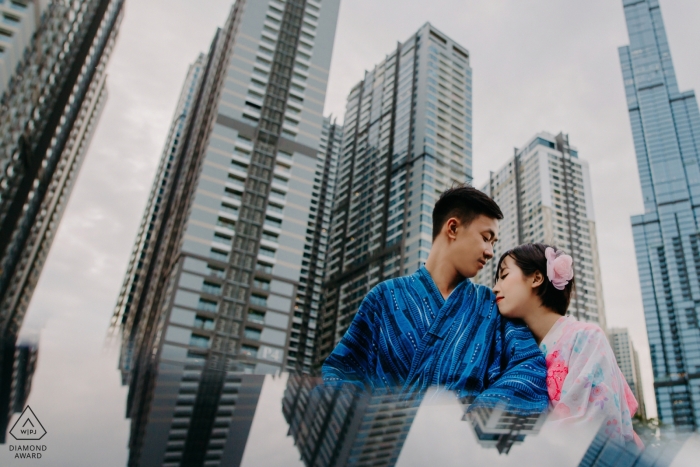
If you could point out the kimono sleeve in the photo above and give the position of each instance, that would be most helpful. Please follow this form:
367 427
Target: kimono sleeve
354 359
590 387
517 374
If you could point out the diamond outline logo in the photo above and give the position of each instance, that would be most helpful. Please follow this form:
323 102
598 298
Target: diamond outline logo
35 424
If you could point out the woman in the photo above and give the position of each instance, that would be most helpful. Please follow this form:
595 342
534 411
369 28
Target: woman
534 282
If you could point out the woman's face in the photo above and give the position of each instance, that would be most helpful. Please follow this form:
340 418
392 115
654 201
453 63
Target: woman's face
515 293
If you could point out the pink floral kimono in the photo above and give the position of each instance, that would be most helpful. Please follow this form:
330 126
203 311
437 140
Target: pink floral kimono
583 379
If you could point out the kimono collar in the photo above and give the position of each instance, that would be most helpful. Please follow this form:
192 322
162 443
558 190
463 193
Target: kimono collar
430 286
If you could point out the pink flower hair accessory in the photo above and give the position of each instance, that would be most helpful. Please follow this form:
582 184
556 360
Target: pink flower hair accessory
560 268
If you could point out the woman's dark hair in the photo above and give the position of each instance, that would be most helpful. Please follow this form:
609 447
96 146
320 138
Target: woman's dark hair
530 258
465 203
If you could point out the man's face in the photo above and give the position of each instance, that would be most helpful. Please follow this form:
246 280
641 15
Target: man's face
471 246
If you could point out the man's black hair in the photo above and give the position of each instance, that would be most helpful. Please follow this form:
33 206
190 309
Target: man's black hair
465 203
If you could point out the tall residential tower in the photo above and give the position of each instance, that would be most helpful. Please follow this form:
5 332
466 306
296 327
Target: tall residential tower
218 286
628 361
54 91
406 138
544 192
666 131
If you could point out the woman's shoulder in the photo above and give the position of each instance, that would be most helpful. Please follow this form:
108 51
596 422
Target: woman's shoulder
582 334
583 327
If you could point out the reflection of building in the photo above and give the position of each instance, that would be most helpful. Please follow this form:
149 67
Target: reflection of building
658 451
497 428
406 138
665 125
333 426
545 194
17 372
214 288
628 361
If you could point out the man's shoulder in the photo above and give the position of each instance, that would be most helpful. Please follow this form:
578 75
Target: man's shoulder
380 291
481 291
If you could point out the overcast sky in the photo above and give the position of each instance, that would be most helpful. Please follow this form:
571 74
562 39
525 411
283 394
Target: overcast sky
537 65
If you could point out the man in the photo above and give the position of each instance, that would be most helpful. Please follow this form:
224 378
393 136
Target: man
437 328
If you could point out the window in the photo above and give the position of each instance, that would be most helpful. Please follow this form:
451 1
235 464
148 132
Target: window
231 193
255 316
270 237
229 208
196 356
221 237
204 323
206 305
277 224
277 194
249 350
274 208
239 165
261 284
227 223
267 252
265 268
252 333
218 254
214 271
199 341
214 289
258 300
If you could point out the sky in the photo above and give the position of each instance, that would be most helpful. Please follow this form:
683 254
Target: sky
539 65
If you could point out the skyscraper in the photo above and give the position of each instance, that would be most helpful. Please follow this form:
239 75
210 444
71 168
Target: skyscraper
665 128
214 288
54 85
137 278
310 291
406 138
628 361
544 192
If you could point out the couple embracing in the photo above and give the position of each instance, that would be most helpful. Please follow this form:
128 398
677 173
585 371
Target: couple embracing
512 345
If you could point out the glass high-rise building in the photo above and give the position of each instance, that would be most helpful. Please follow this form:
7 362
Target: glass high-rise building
544 191
407 136
666 129
223 277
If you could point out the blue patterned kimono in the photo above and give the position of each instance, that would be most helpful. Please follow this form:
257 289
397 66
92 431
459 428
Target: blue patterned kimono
406 338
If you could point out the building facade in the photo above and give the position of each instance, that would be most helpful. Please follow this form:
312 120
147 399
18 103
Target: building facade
220 287
544 192
19 20
628 361
665 127
406 138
